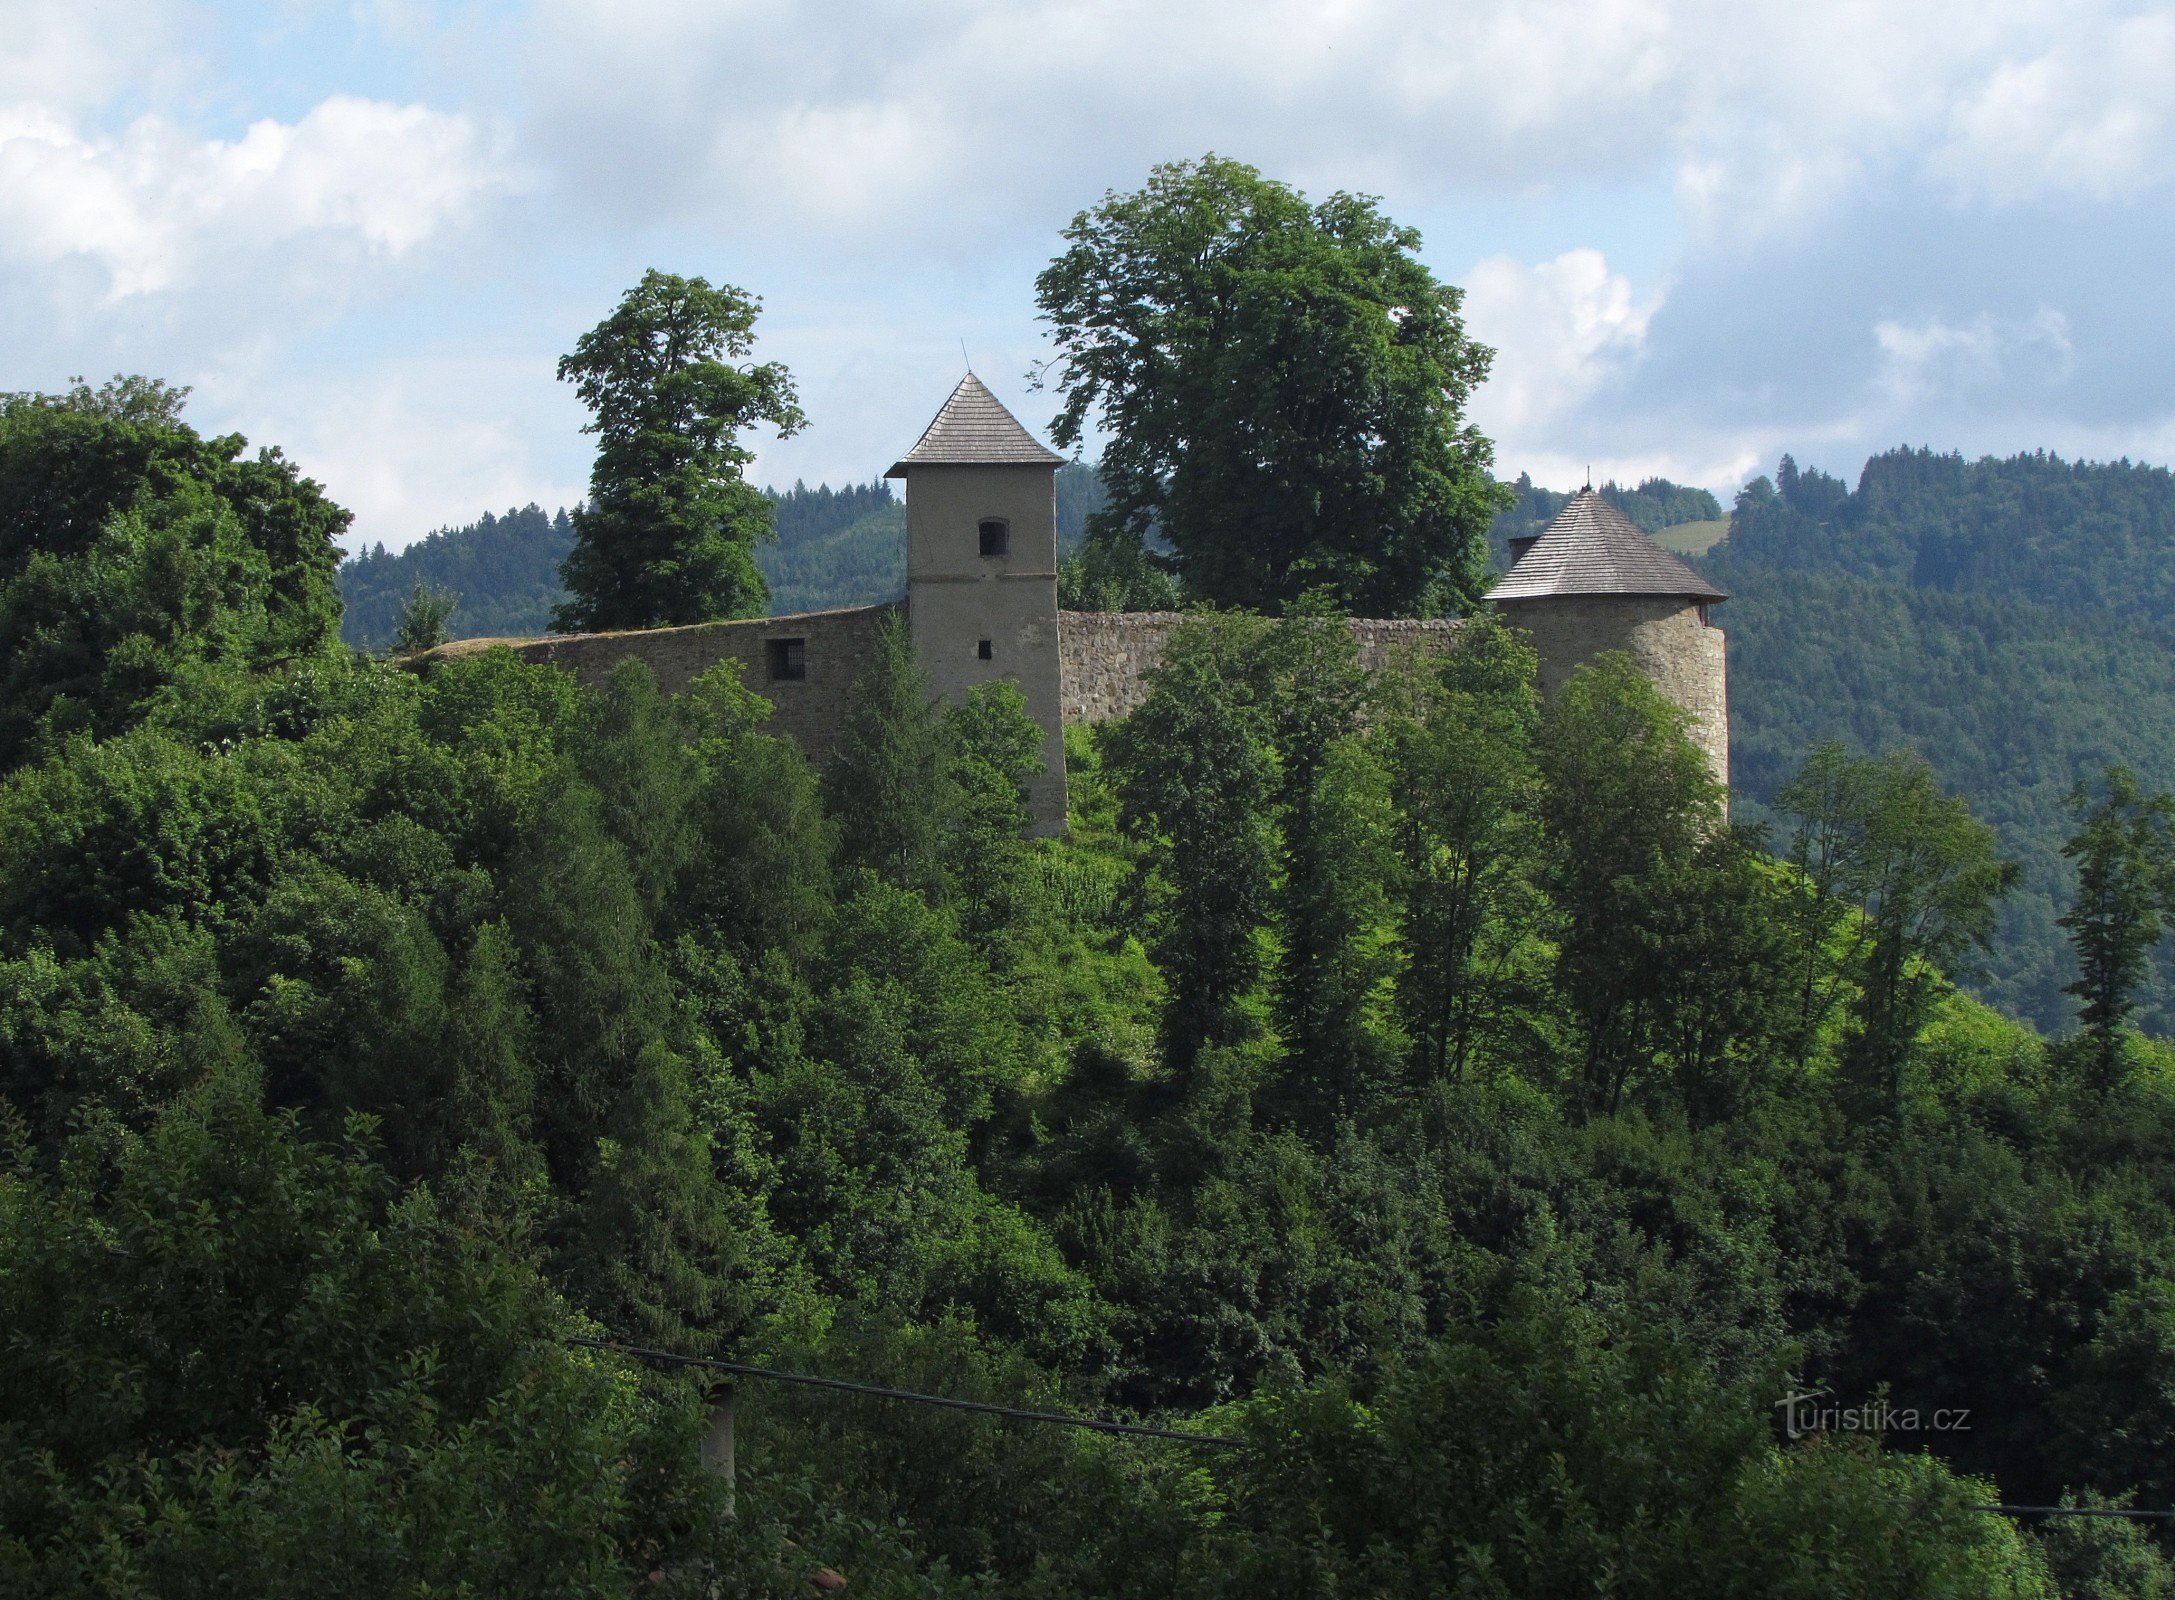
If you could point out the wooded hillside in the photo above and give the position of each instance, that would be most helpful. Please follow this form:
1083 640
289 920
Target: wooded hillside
1409 1081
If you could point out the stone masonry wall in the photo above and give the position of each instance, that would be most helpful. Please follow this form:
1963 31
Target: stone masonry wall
1104 656
1684 657
836 643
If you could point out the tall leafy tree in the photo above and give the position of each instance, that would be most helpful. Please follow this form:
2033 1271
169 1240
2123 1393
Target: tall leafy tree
1194 771
1459 746
1627 798
669 533
1928 875
134 553
1332 816
1284 386
2124 850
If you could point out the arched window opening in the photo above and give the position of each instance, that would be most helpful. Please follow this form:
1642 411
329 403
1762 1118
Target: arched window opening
996 536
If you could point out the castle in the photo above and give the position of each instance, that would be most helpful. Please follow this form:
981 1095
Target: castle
981 604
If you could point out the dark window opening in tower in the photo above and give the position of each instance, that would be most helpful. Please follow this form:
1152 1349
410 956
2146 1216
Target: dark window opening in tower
984 651
788 659
996 536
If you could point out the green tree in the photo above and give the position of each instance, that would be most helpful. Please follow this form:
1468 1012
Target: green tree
888 784
996 750
240 1364
1626 800
2124 852
1540 1457
1332 823
1458 739
426 617
135 556
669 532
1194 775
1926 873
1284 386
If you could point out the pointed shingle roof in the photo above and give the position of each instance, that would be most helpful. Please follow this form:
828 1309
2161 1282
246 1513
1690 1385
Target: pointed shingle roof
1593 548
974 430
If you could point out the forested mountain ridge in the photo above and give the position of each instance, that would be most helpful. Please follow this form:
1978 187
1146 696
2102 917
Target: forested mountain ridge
1418 1084
834 547
2009 619
504 569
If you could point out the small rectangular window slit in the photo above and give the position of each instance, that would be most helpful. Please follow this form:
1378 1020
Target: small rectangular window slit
788 659
984 651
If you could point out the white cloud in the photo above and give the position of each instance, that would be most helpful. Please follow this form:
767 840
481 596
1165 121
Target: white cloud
406 444
1932 358
156 208
1560 330
2089 118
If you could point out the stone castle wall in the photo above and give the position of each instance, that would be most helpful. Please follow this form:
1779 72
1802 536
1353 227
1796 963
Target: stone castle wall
834 646
1104 656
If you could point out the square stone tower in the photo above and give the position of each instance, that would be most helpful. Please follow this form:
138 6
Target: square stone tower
981 567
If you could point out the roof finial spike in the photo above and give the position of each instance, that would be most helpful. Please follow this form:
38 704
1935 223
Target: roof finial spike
969 360
1589 477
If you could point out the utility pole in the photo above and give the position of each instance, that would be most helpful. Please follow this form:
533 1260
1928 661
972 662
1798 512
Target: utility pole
717 1444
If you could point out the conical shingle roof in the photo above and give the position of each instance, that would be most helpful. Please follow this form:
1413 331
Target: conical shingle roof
974 430
1593 548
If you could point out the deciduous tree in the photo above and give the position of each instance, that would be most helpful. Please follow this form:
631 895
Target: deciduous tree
1284 386
669 533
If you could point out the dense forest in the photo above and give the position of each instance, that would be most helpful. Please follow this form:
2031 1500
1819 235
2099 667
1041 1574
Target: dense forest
503 573
2006 618
1418 1086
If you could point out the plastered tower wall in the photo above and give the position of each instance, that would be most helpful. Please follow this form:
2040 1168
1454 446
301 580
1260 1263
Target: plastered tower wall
1685 658
959 600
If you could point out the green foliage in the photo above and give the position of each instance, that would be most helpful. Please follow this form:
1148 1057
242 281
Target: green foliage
1882 834
1420 1084
239 1362
2125 855
889 783
669 532
1192 768
1921 608
1540 1458
134 552
504 571
424 619
1458 738
1283 384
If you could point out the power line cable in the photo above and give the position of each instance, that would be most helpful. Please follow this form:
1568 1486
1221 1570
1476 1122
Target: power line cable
741 1369
2076 1511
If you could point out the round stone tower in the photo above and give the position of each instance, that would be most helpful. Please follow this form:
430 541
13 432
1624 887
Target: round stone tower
1592 581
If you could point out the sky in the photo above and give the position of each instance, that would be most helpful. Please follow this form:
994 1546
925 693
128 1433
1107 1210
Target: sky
1697 233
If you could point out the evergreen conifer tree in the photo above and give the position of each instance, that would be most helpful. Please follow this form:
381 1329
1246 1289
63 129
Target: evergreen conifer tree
888 784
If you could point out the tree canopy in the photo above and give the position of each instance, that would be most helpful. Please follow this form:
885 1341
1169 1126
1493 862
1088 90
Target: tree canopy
669 533
1283 383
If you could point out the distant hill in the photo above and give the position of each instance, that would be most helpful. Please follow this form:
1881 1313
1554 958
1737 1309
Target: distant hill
1694 538
2010 619
505 570
835 547
1655 505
